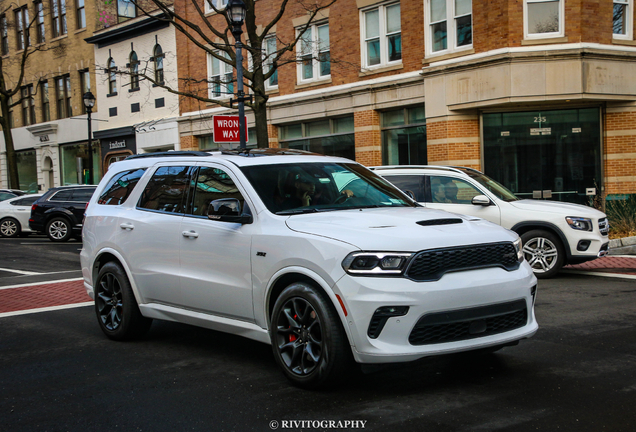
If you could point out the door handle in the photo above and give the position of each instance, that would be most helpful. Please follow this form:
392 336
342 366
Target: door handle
127 226
190 234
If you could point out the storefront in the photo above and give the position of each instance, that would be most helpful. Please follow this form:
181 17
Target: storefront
27 170
74 164
116 144
404 136
551 154
331 137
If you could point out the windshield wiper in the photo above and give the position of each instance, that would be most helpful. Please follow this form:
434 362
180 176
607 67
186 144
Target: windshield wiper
297 211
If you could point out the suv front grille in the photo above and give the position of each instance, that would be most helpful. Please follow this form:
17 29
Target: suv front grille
431 265
603 226
470 323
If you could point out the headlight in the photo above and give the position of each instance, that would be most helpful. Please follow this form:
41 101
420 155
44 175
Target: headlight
519 249
375 263
581 224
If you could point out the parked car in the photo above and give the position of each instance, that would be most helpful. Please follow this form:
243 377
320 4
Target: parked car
16 192
59 213
553 233
7 195
14 215
273 248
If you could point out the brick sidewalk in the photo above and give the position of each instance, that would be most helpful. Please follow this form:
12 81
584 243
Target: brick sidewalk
42 296
608 264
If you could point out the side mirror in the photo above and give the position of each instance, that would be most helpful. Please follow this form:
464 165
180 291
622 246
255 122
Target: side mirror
410 194
229 210
481 200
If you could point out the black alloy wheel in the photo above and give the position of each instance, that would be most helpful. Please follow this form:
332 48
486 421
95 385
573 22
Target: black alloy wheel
117 311
308 340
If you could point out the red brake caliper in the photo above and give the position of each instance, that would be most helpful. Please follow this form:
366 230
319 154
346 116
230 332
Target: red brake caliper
292 337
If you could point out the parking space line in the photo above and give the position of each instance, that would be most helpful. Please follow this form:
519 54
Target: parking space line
40 283
22 272
46 309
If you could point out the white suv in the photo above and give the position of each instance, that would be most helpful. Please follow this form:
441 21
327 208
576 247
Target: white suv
553 233
315 255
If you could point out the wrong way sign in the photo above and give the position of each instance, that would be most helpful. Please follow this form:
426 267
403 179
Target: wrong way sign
226 129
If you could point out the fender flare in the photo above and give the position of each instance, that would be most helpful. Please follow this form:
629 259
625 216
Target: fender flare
124 265
328 289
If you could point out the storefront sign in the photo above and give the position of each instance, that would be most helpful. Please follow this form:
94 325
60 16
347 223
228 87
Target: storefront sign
576 130
505 133
116 144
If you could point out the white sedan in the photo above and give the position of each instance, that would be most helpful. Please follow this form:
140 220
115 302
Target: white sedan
14 215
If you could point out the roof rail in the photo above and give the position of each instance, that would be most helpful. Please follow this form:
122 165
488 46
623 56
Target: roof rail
253 152
168 154
437 167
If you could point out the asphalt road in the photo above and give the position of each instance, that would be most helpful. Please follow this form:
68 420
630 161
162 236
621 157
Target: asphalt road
59 373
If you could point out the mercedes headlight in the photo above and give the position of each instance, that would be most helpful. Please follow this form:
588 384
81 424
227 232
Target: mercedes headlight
581 224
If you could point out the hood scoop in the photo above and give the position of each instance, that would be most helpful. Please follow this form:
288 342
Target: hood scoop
433 222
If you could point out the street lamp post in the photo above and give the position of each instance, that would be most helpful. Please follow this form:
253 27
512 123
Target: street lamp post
236 14
89 103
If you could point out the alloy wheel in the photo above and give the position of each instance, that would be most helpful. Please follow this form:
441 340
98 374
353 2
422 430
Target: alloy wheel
109 302
299 336
8 228
58 229
541 253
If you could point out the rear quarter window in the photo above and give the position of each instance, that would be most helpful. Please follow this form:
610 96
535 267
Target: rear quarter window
120 187
83 195
63 195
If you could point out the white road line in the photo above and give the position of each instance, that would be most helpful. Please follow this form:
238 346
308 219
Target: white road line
46 309
22 272
610 275
40 283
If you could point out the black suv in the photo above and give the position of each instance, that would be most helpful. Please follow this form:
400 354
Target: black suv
59 213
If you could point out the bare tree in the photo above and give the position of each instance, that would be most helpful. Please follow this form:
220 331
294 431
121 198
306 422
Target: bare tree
213 35
12 79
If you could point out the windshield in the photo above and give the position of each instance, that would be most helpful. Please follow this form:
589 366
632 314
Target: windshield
494 187
312 187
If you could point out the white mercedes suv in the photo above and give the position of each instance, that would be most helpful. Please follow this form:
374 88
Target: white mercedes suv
315 255
553 233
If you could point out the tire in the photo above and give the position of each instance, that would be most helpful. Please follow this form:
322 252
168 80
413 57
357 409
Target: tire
59 229
10 228
544 252
308 340
117 311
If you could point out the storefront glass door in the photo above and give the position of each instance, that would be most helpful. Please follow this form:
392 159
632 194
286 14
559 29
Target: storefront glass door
552 155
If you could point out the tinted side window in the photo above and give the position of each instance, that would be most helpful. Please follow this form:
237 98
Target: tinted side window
413 183
82 195
212 184
63 195
452 191
120 187
25 201
167 190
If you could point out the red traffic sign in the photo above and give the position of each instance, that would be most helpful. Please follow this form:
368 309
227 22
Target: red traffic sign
226 129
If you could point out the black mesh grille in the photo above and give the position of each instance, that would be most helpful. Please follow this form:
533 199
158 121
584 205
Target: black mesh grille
469 323
431 265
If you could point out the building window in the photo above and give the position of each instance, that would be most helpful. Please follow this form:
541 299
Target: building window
134 71
622 19
58 16
313 53
218 4
44 91
382 35
125 10
404 136
269 52
112 77
158 57
63 96
220 82
332 137
80 13
28 107
22 27
450 25
39 22
543 18
85 82
5 35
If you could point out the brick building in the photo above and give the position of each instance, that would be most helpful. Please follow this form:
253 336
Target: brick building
51 145
539 94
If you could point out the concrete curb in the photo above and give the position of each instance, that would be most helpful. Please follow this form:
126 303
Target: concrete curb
623 246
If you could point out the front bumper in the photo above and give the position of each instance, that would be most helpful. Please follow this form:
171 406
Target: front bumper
455 293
